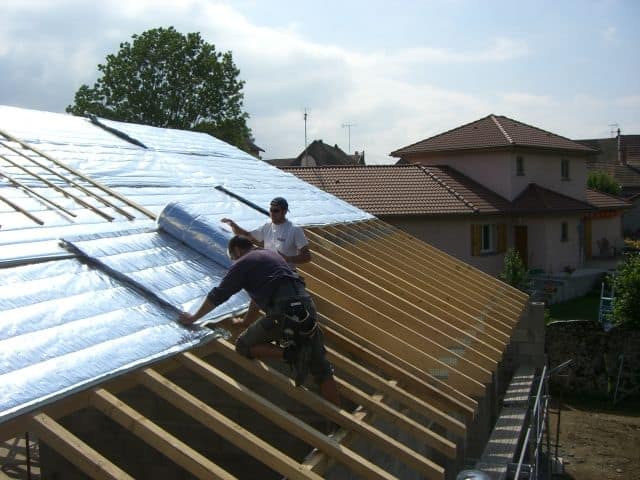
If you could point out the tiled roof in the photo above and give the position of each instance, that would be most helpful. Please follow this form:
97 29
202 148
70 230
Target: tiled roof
607 160
404 189
493 131
537 199
602 200
322 154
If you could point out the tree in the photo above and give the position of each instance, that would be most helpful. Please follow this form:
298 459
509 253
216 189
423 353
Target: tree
514 272
603 182
626 287
167 79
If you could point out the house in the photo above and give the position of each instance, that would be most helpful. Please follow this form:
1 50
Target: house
620 157
319 153
478 189
254 150
95 366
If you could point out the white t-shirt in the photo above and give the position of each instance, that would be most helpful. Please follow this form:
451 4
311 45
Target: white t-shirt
285 238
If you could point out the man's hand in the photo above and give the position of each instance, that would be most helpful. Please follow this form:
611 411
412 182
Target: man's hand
286 258
186 318
229 222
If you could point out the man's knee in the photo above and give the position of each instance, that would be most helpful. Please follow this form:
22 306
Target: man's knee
243 347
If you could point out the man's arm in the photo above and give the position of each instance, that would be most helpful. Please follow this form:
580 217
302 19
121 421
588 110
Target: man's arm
304 256
238 230
189 318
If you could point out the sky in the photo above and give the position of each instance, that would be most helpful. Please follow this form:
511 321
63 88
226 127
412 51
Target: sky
397 71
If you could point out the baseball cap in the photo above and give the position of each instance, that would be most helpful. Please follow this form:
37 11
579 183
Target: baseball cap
280 202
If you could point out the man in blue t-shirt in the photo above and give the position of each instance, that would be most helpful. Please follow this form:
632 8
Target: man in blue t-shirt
290 314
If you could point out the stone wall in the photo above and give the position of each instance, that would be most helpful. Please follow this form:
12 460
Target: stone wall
596 357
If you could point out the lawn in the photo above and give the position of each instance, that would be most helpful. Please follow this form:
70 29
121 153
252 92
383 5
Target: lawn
580 308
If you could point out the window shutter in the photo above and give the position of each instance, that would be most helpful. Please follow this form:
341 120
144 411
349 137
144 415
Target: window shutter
476 234
502 238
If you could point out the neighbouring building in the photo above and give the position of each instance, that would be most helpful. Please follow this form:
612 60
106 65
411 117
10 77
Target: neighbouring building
619 156
481 188
319 153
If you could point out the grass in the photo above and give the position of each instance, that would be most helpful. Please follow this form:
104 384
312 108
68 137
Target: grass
580 308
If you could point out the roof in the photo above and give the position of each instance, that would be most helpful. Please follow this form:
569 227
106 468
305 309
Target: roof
606 201
98 317
623 165
492 132
319 153
537 199
404 189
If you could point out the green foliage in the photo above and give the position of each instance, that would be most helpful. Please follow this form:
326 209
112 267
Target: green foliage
603 182
626 284
167 79
514 272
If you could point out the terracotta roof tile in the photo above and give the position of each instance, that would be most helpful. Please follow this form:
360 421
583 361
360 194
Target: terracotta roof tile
493 131
607 160
537 199
606 201
404 189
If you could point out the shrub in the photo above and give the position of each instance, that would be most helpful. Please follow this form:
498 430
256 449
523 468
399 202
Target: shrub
626 284
603 182
514 272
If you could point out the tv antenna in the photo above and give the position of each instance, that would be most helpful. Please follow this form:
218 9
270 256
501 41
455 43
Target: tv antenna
348 127
305 128
613 127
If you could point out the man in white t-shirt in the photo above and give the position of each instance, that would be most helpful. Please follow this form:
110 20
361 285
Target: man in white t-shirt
279 235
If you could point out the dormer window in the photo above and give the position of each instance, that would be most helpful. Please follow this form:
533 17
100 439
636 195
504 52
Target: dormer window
564 169
519 166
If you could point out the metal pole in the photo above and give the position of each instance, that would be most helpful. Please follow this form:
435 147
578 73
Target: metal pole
28 452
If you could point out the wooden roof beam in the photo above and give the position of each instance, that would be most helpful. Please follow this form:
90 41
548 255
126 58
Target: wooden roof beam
73 449
282 418
170 446
223 426
408 456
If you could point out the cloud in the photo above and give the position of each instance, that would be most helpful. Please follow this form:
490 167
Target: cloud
48 49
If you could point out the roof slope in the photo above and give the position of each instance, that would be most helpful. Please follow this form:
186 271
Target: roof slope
490 132
603 200
535 198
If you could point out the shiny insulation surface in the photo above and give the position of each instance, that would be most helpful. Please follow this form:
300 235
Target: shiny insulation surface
69 324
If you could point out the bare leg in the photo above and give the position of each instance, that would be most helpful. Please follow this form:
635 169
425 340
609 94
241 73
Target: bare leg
329 391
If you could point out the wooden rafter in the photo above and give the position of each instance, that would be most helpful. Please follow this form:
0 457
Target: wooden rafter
281 418
223 426
73 449
408 456
170 446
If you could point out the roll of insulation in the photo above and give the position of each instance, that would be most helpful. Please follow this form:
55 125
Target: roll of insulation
195 230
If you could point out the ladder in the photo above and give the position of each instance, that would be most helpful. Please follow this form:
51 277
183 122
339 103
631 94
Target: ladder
605 309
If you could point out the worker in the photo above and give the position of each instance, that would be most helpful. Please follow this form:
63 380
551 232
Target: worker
290 314
279 234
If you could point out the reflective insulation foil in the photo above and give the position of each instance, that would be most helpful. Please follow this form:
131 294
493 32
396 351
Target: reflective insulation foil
66 326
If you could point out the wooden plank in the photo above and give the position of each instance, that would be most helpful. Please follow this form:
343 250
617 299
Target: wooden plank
457 321
73 449
223 426
408 456
444 300
376 407
416 380
283 419
389 334
441 271
473 272
170 446
455 293
391 390
473 362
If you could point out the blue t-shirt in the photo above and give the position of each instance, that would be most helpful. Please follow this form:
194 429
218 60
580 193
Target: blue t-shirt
259 272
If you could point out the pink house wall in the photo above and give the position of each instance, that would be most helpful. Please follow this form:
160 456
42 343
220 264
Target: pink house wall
609 228
497 171
546 251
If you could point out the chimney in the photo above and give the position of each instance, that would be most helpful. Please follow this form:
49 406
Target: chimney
622 152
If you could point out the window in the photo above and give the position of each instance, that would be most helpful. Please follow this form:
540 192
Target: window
488 239
564 232
519 166
564 169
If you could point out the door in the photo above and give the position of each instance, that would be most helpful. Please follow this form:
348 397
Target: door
587 237
520 235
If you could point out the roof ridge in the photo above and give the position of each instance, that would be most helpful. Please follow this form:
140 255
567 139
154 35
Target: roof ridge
451 190
441 134
504 132
547 132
